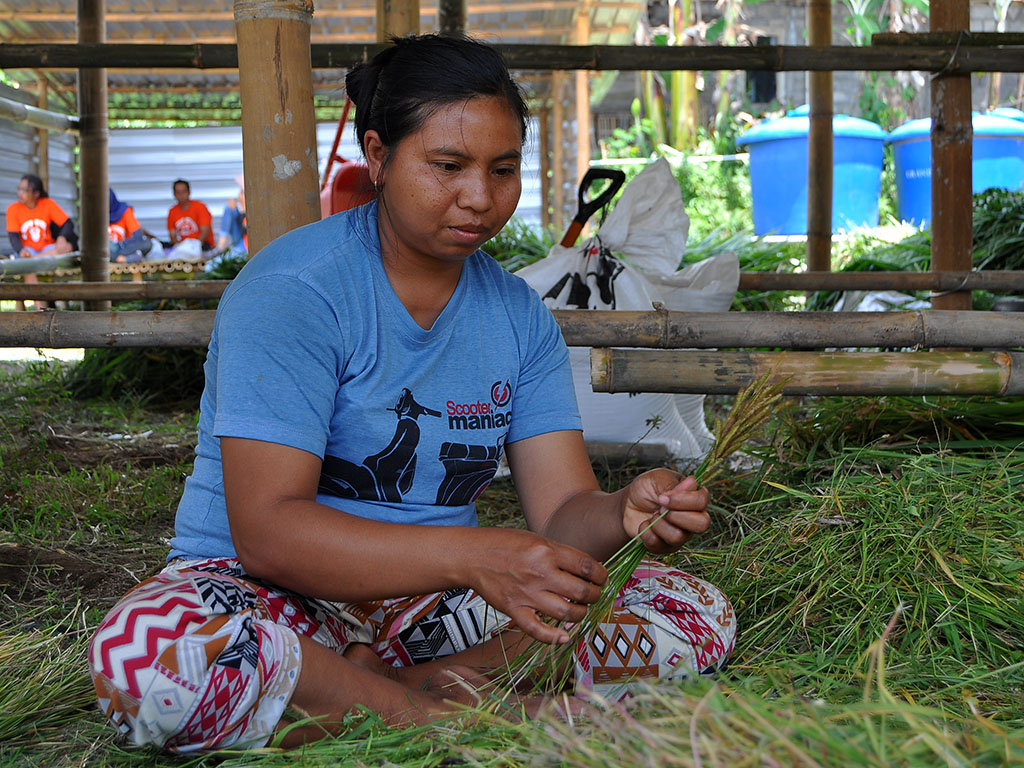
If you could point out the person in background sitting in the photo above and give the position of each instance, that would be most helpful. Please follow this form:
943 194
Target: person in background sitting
128 241
188 220
233 238
37 225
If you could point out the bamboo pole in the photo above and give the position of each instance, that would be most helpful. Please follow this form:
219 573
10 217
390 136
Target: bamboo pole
772 58
121 291
952 137
42 134
991 280
94 203
397 18
810 373
660 330
38 264
582 37
544 117
17 112
819 145
791 330
451 17
278 126
758 281
557 150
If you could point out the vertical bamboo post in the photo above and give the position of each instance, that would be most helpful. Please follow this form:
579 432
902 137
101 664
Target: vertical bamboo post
451 17
952 134
557 149
43 135
396 18
819 145
582 36
94 210
278 126
544 119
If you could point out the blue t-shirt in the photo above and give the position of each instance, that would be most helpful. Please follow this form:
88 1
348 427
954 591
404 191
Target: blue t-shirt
313 349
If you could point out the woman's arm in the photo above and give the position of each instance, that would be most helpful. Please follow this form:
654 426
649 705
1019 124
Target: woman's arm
562 500
282 534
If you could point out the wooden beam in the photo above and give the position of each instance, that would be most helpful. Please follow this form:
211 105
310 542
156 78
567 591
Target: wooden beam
819 145
952 38
952 136
43 135
451 17
121 291
780 58
810 373
94 137
278 123
581 36
989 280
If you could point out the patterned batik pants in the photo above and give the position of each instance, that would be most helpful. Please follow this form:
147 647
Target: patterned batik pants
202 656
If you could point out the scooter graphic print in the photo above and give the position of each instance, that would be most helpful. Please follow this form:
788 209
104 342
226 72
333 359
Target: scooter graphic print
388 474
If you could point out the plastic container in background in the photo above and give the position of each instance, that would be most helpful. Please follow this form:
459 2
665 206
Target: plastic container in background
778 172
1010 112
998 161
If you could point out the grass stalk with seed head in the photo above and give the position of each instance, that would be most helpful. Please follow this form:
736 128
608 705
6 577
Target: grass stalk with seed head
551 668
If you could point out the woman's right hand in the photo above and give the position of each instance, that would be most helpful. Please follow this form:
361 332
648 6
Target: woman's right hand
525 575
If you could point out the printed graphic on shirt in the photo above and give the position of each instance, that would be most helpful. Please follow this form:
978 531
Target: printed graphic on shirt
186 226
482 415
468 470
34 231
383 476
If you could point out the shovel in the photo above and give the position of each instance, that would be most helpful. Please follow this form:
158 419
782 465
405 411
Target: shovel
588 208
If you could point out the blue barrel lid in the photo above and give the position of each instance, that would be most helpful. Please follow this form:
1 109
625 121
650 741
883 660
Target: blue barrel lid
797 124
1010 112
984 125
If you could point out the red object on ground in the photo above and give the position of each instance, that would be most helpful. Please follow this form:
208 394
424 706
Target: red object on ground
350 186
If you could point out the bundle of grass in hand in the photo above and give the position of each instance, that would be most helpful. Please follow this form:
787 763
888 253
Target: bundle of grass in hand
550 669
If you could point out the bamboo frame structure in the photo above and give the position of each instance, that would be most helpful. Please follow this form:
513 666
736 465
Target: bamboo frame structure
655 330
993 280
967 56
94 140
17 112
819 144
810 373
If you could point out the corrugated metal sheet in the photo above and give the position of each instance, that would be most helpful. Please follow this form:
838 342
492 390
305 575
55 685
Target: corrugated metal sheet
18 156
145 162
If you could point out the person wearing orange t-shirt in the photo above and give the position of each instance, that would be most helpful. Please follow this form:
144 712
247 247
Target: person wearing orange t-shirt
36 224
188 220
128 241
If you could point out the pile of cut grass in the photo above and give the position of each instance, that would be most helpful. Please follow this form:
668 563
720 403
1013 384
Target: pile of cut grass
873 555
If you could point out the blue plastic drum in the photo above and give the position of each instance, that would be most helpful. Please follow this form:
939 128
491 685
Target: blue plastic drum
997 161
778 172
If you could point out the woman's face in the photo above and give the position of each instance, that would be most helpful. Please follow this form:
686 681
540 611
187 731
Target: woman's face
26 195
452 185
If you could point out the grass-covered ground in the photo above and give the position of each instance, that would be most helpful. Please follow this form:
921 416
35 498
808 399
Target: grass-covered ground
874 554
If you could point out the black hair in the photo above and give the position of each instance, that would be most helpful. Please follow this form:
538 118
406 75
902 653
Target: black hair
181 181
35 184
400 87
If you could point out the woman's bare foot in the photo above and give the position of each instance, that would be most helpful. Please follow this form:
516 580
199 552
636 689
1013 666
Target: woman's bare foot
452 682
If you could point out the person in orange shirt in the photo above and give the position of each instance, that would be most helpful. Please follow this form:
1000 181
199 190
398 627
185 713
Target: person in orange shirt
128 241
188 220
36 224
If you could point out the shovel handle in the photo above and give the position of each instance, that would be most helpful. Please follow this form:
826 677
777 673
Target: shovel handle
588 208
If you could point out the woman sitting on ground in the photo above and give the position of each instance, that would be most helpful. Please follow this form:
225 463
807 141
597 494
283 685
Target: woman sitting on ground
364 377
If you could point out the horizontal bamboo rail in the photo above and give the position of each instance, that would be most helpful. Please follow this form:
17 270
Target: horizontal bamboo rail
659 330
37 264
791 330
121 291
810 373
780 58
995 280
39 118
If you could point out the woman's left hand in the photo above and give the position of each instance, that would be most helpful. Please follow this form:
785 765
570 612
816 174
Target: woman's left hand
647 497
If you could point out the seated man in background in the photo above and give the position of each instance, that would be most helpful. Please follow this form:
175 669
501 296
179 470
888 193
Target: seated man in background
128 241
189 224
233 238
